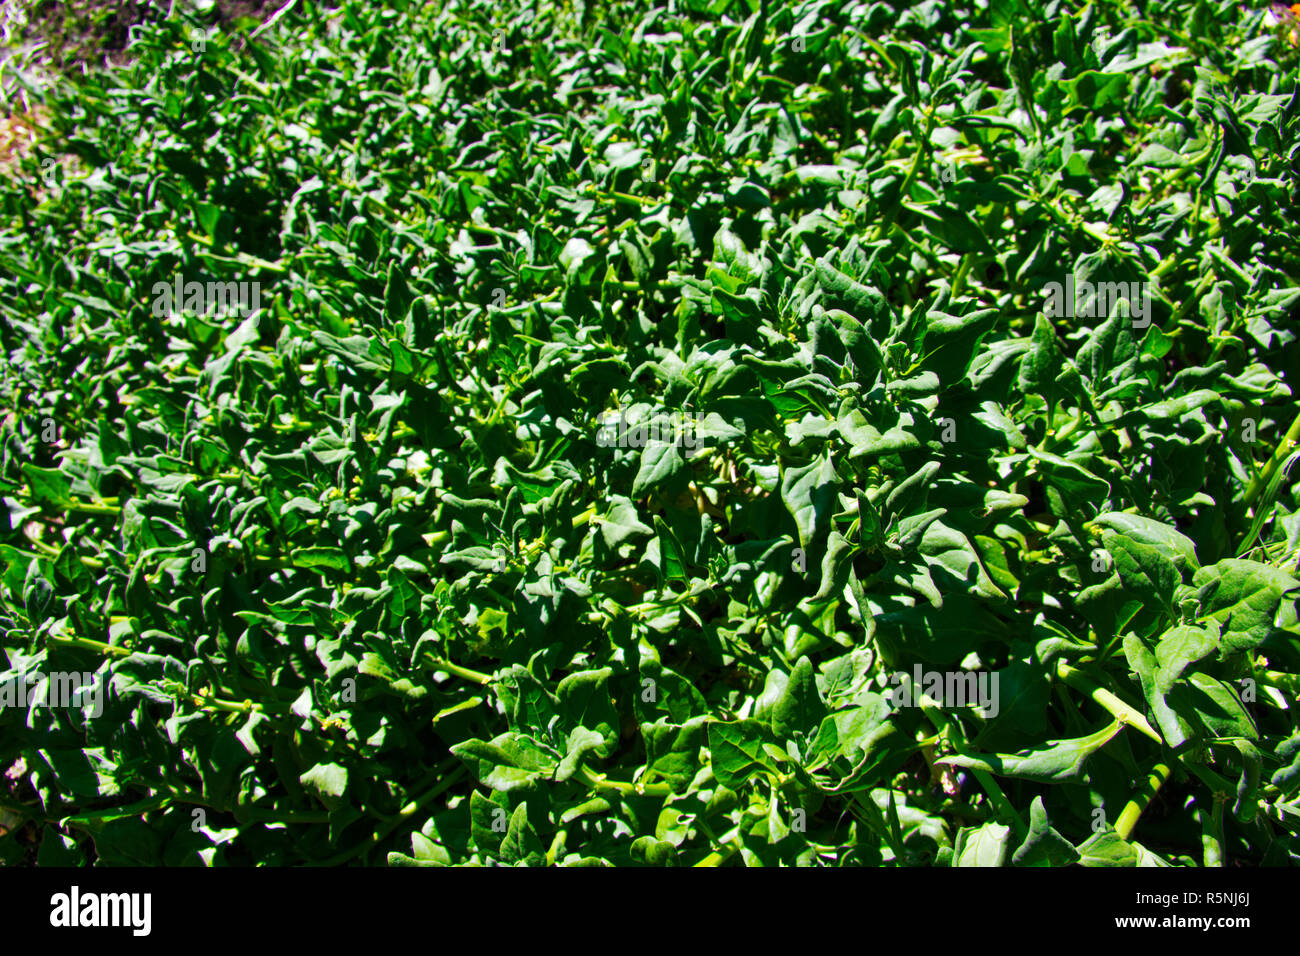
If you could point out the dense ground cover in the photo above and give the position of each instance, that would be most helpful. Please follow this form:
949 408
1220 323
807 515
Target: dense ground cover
363 572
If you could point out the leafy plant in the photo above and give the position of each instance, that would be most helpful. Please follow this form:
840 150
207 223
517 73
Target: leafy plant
642 405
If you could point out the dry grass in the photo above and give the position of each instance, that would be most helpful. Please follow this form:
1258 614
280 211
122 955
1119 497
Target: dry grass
18 134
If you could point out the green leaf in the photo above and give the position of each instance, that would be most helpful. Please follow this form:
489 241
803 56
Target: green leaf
1159 672
1073 491
1094 91
1248 601
940 636
660 464
673 751
321 557
509 762
737 753
585 702
984 846
49 485
1058 761
1151 574
1173 544
622 523
1039 367
1108 848
1216 705
328 782
521 844
809 495
1043 846
87 772
799 709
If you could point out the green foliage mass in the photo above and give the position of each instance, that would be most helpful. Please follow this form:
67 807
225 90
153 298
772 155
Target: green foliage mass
363 580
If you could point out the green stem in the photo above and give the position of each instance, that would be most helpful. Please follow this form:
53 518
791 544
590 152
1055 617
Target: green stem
208 703
726 849
231 706
1208 777
962 268
922 148
599 781
47 552
253 814
1283 450
405 814
1212 834
139 808
1054 439
1167 265
627 285
628 200
876 821
717 859
1289 683
243 258
1128 818
1006 810
1200 290
260 87
90 509
87 644
1116 707
478 677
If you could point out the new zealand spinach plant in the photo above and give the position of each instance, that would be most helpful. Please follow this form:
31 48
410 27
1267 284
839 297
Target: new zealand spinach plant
690 433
